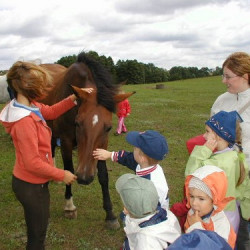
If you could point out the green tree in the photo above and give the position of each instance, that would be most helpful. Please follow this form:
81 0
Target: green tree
218 71
155 74
121 71
66 61
137 72
175 73
203 72
130 70
107 62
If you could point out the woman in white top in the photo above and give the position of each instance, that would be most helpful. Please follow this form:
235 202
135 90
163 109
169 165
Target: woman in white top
236 77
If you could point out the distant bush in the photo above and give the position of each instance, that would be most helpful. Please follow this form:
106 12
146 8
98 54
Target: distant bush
137 72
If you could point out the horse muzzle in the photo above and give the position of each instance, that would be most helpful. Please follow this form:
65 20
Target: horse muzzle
84 180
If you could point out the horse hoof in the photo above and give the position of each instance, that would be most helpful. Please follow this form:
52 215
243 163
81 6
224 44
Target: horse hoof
70 214
112 224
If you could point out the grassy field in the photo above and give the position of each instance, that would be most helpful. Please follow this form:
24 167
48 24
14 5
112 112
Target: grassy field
178 111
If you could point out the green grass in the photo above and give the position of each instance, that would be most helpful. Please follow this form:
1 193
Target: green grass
178 111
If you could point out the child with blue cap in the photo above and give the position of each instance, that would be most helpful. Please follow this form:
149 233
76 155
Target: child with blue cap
150 147
223 149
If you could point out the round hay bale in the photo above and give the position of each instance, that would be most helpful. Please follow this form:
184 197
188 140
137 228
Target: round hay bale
160 86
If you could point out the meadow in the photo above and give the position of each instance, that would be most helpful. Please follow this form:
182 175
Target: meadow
178 112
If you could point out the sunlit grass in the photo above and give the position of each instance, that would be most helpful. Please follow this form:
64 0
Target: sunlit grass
178 112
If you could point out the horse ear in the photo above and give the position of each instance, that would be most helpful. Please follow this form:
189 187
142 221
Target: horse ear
79 92
120 97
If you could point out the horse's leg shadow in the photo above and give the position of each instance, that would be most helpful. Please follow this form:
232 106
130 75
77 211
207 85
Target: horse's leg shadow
111 220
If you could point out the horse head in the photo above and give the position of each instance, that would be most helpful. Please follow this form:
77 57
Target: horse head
93 123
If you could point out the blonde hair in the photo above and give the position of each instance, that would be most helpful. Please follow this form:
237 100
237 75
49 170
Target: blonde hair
238 142
29 79
239 63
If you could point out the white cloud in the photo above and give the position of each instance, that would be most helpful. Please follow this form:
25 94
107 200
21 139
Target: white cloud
162 7
166 33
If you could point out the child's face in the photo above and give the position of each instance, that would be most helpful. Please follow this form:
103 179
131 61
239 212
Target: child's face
200 201
209 134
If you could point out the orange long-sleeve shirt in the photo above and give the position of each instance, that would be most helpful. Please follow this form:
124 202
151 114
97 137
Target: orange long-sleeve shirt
32 140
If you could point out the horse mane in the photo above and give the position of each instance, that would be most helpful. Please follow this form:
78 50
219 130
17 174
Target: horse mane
106 89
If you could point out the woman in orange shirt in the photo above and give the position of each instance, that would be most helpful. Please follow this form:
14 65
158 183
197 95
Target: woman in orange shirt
24 119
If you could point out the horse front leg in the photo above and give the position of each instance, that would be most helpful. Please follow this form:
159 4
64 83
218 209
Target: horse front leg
53 149
111 220
66 151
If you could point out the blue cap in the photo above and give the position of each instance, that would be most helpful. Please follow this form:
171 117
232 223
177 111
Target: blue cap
200 239
224 125
150 142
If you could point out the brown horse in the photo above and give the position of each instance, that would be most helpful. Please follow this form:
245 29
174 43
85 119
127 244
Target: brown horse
87 125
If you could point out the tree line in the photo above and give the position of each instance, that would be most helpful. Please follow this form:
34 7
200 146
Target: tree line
137 72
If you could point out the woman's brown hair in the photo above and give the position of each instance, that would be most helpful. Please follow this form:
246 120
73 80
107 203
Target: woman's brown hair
29 79
239 63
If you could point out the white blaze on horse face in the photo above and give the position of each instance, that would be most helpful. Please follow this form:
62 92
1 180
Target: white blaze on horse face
95 120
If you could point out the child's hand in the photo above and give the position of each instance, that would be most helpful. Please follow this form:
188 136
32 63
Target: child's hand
102 154
193 218
211 144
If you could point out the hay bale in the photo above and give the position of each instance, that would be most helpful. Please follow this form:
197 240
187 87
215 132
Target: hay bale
160 86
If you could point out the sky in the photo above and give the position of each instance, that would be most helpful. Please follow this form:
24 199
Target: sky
167 33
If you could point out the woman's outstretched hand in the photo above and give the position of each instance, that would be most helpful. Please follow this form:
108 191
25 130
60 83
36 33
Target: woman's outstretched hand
69 178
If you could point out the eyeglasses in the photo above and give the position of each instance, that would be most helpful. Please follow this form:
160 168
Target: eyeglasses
228 77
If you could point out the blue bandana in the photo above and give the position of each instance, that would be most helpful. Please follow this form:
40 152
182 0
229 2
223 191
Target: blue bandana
160 216
32 109
224 125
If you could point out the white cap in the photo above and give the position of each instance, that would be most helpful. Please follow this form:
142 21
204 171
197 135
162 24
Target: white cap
199 184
